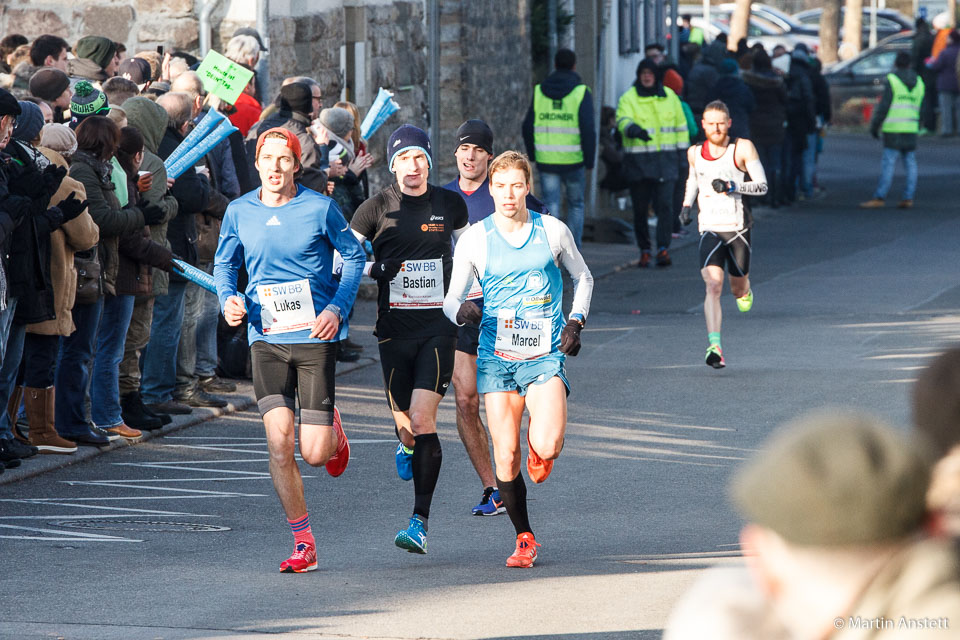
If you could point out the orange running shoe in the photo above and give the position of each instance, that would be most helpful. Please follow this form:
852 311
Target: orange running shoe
304 559
337 463
537 468
526 552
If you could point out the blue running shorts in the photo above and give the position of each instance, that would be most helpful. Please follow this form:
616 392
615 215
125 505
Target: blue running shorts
496 374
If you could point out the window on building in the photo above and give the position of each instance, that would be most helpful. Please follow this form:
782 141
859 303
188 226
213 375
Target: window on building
630 13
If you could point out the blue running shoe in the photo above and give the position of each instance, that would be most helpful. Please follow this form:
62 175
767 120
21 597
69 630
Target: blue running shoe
404 462
413 538
491 504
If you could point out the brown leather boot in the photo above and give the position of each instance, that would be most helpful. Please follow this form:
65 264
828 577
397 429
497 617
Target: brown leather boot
40 411
13 408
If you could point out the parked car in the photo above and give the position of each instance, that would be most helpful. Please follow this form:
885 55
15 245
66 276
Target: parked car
857 84
776 18
889 22
760 30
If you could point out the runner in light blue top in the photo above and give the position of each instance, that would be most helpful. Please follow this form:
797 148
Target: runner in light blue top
515 255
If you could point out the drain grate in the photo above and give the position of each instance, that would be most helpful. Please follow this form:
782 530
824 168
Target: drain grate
152 526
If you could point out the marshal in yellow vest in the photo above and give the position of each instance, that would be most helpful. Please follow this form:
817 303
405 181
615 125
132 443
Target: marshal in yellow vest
904 113
556 127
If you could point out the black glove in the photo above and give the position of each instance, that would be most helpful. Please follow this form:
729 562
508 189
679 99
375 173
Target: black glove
385 269
469 313
720 186
152 214
71 207
636 131
570 338
30 184
685 216
53 175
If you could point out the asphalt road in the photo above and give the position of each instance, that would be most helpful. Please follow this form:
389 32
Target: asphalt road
181 536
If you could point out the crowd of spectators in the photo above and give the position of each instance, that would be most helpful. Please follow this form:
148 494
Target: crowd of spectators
100 336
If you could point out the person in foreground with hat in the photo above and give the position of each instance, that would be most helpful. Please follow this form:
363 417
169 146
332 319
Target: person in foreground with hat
839 537
411 225
96 60
339 124
297 313
474 153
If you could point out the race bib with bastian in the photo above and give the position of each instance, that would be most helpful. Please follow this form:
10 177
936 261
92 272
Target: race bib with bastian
522 338
286 307
418 285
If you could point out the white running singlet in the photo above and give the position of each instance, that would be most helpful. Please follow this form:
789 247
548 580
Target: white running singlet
718 211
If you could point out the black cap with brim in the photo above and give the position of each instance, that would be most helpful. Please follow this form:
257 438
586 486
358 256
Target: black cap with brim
8 104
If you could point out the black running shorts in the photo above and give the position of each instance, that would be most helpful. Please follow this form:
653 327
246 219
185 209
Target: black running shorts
730 249
416 363
468 339
281 372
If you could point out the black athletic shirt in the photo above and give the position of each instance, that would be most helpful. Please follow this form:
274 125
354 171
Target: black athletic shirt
403 227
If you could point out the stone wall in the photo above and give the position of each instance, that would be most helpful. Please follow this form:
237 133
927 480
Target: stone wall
138 24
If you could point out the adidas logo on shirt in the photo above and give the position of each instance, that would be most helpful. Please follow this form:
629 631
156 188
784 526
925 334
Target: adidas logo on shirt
273 222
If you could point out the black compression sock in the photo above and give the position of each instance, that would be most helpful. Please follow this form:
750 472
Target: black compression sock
514 496
427 458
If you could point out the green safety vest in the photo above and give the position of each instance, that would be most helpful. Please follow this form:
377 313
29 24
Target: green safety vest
904 113
663 119
556 127
696 35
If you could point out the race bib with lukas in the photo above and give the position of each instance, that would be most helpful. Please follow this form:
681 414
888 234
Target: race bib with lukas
418 285
286 307
522 338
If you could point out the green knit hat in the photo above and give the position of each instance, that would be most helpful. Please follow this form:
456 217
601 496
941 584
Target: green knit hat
87 101
97 48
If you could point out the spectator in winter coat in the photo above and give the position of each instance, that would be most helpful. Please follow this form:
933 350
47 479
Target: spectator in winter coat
920 50
768 119
801 122
703 76
95 62
948 91
730 89
192 191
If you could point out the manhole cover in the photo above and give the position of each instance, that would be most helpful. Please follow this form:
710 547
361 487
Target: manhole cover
140 525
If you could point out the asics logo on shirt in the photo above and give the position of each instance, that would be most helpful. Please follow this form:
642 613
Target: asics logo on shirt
273 222
432 218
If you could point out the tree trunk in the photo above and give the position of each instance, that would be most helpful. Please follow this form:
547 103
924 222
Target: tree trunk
852 29
739 22
829 31
952 13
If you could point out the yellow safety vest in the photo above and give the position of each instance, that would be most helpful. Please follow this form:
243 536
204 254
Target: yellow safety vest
696 35
556 127
663 119
904 113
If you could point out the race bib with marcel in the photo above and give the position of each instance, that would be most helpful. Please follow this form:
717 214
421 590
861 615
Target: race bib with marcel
522 338
418 285
286 307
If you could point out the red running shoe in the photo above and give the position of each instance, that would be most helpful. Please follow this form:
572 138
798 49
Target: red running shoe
526 552
537 468
304 559
337 463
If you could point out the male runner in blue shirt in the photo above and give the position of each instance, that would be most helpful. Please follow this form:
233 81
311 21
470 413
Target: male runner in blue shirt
285 235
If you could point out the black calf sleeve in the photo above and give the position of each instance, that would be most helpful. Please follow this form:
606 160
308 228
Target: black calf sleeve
427 458
514 496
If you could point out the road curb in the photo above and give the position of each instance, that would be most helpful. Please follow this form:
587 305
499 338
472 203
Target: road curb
41 463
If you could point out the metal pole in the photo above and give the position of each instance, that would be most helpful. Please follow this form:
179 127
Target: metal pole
873 24
660 21
598 90
675 31
552 30
706 14
433 88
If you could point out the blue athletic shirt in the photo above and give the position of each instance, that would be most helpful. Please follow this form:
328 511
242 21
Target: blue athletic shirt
480 202
285 244
523 282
